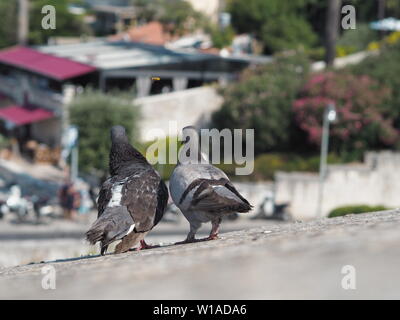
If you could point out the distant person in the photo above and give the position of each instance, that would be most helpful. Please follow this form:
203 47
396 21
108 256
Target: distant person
76 201
68 200
93 196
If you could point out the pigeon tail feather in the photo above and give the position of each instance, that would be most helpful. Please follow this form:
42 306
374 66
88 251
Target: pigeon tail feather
95 235
113 224
219 199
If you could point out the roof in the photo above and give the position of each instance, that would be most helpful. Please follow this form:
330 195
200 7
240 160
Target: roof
107 55
45 64
151 33
20 115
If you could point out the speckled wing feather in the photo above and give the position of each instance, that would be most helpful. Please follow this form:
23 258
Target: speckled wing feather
140 195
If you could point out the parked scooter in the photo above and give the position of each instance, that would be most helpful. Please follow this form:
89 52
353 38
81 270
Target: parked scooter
17 204
24 206
268 209
41 206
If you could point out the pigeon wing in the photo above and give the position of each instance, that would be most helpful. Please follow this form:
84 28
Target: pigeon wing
218 196
162 201
105 196
140 196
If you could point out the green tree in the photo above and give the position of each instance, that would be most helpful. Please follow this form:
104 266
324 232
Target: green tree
94 113
358 39
262 100
221 37
278 24
8 18
385 69
287 32
67 24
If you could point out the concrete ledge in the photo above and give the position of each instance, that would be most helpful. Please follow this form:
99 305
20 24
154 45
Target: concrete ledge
295 260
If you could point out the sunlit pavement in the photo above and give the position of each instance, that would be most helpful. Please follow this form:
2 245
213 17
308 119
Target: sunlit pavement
308 260
59 239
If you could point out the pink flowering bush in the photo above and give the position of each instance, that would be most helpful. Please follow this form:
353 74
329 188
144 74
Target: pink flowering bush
364 119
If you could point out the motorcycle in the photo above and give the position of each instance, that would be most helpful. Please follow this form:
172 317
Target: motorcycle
24 206
268 209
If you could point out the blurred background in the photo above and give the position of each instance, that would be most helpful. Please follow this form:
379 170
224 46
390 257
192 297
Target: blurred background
319 81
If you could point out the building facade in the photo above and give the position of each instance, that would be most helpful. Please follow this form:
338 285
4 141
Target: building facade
38 87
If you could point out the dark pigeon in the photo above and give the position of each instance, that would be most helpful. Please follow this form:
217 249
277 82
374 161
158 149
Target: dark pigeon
131 201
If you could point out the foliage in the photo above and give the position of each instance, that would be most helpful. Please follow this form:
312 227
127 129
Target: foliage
356 40
367 10
267 164
316 54
221 37
8 31
388 41
355 209
165 170
288 24
4 142
385 69
279 24
95 113
364 119
67 24
287 32
262 100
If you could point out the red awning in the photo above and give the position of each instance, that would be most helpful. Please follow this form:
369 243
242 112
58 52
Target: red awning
48 65
20 115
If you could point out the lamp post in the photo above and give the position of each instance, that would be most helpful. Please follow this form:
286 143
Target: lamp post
329 116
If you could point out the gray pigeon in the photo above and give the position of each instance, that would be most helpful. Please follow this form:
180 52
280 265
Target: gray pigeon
131 201
203 192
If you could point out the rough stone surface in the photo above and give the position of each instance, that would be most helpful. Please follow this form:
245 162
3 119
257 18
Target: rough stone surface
294 260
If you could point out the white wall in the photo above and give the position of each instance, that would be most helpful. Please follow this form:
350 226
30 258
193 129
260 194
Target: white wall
375 182
254 192
186 107
208 7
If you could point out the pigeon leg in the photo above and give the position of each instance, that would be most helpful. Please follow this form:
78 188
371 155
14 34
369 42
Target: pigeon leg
214 230
191 235
127 242
103 249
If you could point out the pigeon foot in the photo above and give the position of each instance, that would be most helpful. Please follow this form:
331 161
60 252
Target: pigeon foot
212 237
144 246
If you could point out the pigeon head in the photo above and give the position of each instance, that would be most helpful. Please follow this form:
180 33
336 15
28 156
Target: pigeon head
190 152
118 134
122 153
190 132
